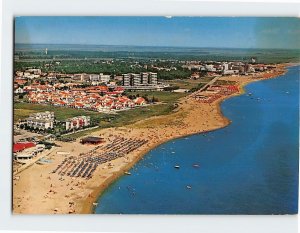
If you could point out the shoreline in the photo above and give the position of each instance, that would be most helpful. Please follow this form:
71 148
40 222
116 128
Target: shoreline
89 208
86 193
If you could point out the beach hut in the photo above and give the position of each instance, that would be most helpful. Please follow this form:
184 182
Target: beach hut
92 140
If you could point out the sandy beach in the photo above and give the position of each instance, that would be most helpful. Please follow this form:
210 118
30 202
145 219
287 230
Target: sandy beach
37 190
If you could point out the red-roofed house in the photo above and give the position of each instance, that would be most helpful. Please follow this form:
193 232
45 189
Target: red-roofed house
140 101
20 146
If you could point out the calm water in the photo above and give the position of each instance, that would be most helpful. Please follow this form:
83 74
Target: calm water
249 167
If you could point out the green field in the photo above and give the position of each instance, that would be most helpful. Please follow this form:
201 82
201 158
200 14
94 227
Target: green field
189 83
162 96
23 110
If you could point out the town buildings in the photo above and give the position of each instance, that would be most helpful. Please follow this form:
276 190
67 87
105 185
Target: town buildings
144 79
77 122
41 120
27 150
95 98
222 68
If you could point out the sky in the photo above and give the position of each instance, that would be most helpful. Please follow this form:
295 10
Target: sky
219 32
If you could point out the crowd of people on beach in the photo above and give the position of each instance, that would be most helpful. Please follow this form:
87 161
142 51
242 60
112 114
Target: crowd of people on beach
86 163
214 93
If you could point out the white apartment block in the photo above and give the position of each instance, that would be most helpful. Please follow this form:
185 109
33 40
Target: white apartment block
104 78
77 122
148 78
41 120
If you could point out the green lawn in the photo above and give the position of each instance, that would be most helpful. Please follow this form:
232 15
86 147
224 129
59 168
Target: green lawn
23 110
189 83
162 96
184 83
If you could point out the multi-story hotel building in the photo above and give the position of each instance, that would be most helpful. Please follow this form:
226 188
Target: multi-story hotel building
77 122
145 79
41 120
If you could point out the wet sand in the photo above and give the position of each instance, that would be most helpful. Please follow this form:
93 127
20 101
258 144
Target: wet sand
39 191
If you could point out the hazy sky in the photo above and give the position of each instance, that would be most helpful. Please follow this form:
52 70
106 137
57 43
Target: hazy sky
232 32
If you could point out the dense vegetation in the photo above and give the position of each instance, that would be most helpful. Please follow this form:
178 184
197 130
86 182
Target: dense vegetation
61 52
111 61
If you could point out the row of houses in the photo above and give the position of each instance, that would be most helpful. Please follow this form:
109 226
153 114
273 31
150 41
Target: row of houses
37 87
80 99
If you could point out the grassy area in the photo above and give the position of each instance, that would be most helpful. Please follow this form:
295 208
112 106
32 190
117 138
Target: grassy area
224 82
184 83
206 79
23 110
189 83
22 113
162 96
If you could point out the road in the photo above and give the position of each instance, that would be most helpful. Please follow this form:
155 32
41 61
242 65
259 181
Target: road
208 84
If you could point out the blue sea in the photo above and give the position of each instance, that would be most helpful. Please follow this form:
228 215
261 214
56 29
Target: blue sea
249 167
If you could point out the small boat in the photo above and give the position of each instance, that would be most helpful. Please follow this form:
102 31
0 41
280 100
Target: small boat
127 173
173 152
95 203
196 165
188 187
177 166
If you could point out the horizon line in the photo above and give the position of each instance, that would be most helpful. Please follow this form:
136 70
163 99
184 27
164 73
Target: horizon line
165 46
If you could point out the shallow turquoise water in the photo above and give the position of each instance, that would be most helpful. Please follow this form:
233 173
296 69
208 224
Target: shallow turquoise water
249 167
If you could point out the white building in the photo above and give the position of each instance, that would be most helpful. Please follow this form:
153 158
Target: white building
35 71
19 73
94 78
19 90
153 78
210 68
225 66
30 152
136 78
126 79
81 77
77 122
104 78
145 79
41 120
